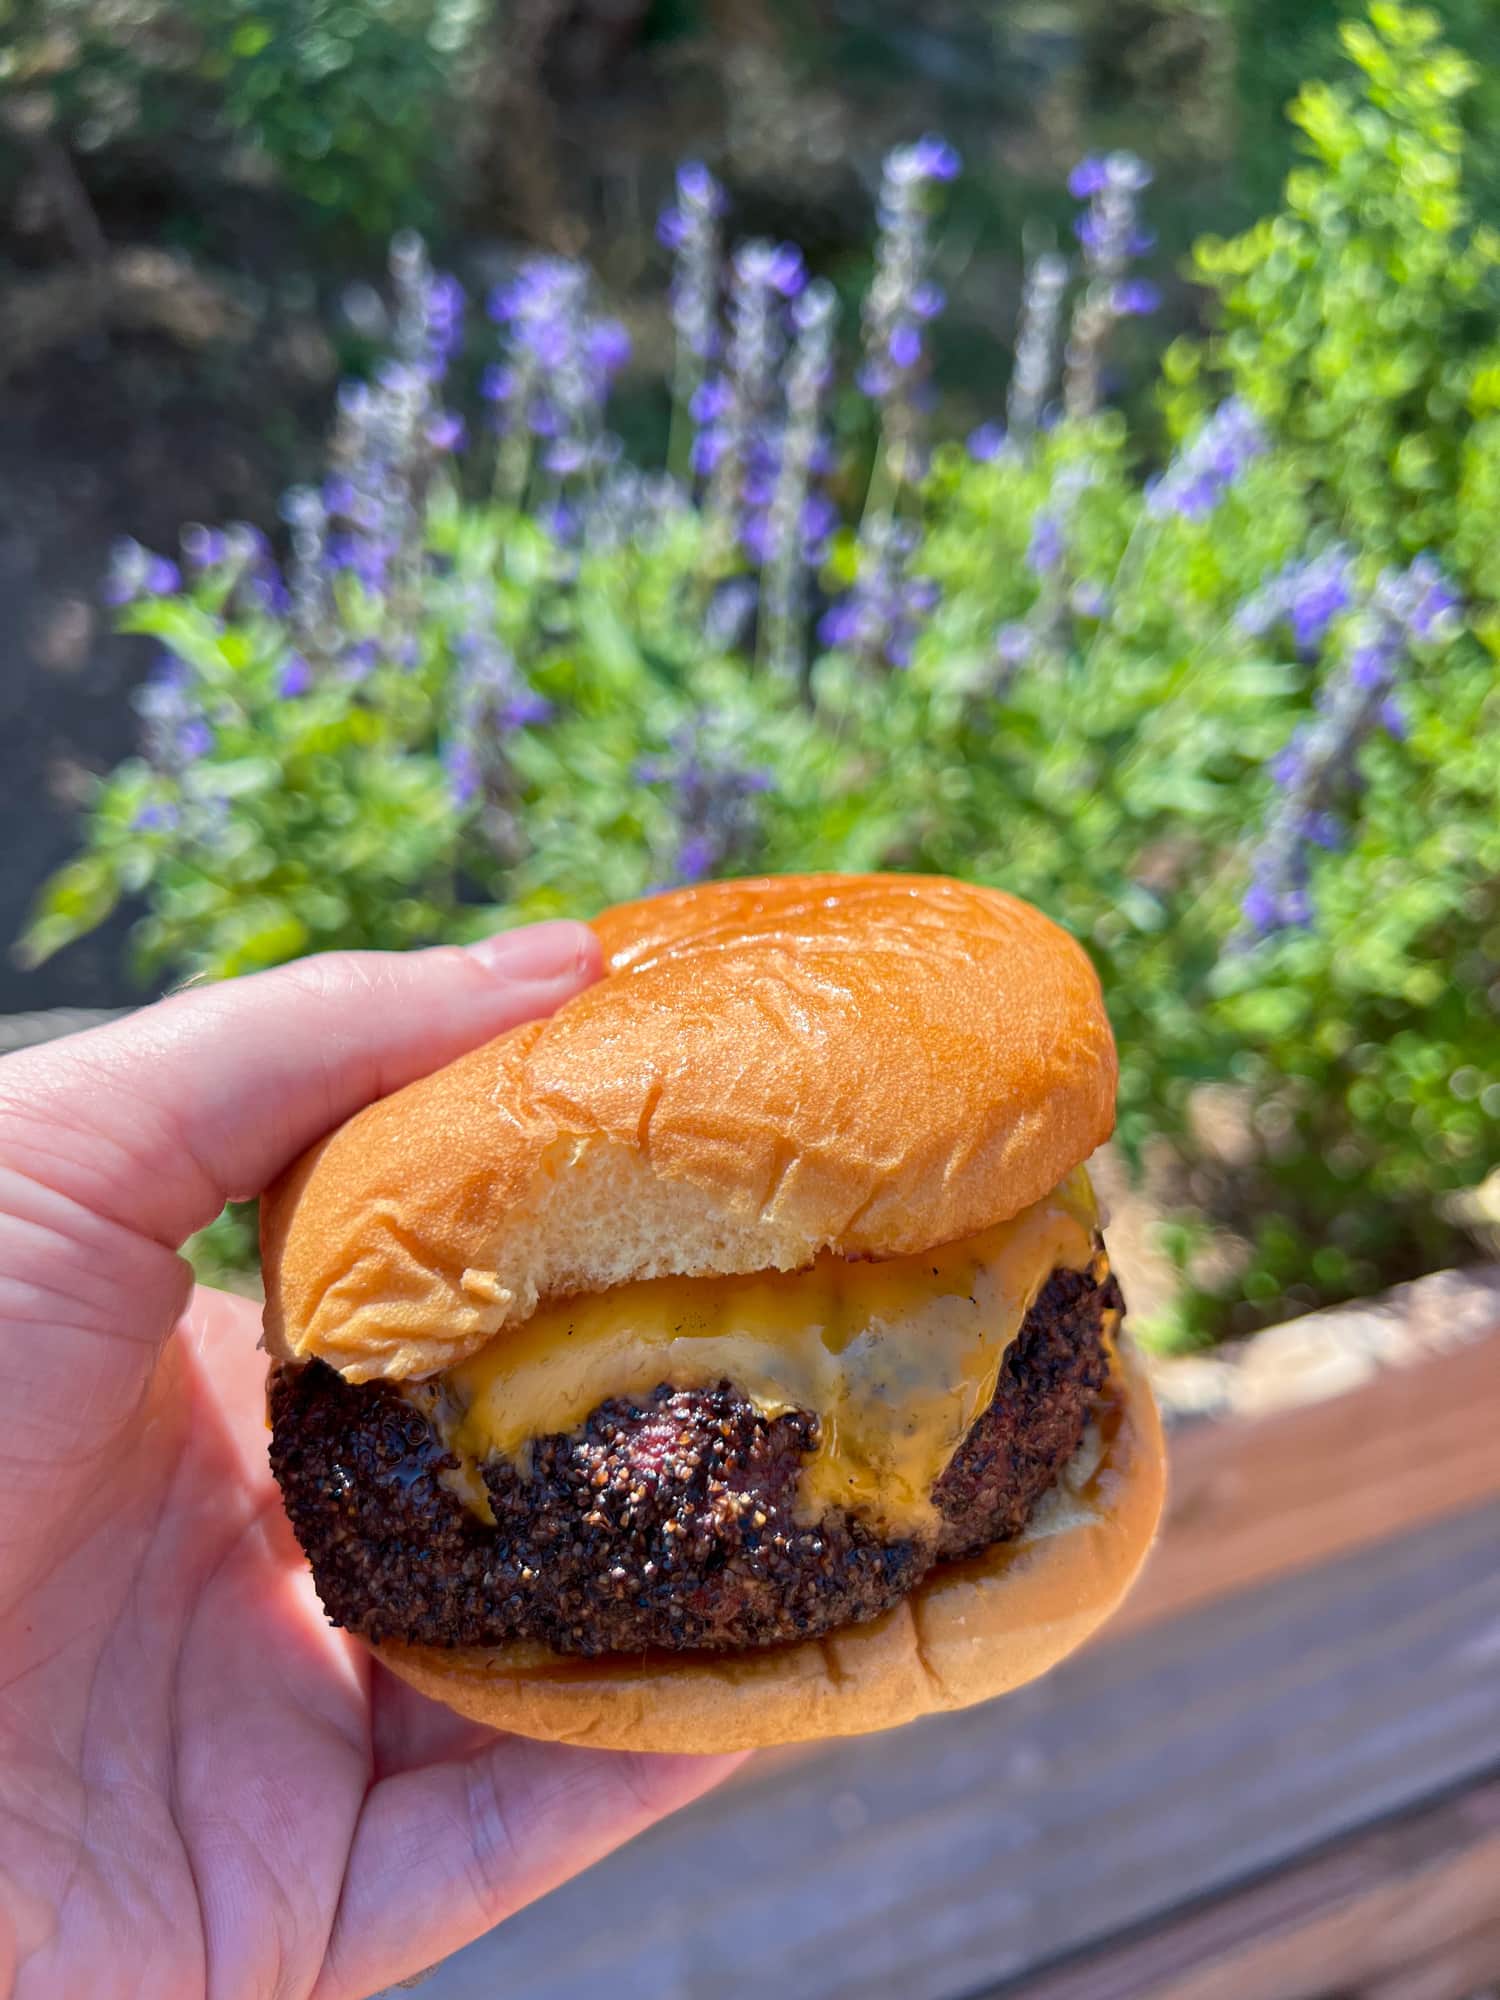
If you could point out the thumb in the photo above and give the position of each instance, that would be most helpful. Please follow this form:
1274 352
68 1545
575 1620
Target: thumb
116 1144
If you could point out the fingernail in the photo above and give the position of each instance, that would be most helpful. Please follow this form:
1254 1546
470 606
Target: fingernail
540 952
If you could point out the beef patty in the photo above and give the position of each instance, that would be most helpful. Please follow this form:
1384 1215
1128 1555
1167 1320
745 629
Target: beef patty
666 1520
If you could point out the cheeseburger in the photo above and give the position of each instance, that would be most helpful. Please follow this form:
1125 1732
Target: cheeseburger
734 1357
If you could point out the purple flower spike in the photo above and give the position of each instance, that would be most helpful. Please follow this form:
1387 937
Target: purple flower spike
905 346
158 817
986 442
711 402
565 455
1137 297
696 184
1202 474
840 624
691 232
608 346
203 548
695 858
1261 909
1045 551
883 615
1319 767
446 432
527 711
490 700
799 519
786 271
935 159
743 404
1110 234
1421 600
902 296
462 766
714 798
1369 665
819 518
295 678
137 572
1087 178
1014 645
1036 344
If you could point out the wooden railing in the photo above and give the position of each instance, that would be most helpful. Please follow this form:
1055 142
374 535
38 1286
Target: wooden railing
1275 1777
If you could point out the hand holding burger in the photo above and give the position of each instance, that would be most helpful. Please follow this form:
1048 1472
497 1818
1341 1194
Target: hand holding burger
731 1359
203 1787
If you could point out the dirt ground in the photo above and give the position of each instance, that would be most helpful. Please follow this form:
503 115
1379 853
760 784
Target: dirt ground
126 432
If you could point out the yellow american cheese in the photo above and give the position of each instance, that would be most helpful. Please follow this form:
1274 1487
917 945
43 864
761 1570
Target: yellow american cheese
896 1357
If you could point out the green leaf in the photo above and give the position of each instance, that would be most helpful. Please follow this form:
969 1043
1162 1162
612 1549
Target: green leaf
74 901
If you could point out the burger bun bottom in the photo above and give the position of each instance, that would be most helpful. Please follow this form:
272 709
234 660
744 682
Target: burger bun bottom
971 1630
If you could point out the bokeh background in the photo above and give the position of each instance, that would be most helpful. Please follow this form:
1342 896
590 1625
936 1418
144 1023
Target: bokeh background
247 164
1199 655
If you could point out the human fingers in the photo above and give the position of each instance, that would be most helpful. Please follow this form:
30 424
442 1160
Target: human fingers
115 1145
441 1855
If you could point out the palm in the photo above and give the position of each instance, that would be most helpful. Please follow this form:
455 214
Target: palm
203 1789
210 1789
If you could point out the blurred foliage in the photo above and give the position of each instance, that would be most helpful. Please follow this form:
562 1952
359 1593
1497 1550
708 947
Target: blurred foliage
351 100
224 1254
1359 316
349 105
1094 715
1279 42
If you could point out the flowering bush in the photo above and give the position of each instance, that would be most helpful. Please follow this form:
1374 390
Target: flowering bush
1228 718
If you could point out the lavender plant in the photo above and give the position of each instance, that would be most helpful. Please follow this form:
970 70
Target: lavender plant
1036 345
799 518
690 229
715 799
1110 234
1199 476
737 445
1213 707
903 300
550 391
1416 608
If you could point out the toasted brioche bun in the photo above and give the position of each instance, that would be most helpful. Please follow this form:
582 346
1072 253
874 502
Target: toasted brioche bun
971 1630
769 1069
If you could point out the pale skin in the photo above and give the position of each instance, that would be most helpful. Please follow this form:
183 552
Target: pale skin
205 1790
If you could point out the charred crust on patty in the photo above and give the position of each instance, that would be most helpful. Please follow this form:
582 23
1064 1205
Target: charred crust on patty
666 1521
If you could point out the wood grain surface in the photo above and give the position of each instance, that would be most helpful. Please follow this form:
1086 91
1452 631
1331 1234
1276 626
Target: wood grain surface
1408 1910
1168 1764
1253 1498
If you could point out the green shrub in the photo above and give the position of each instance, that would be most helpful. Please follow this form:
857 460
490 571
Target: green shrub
351 105
352 101
1231 721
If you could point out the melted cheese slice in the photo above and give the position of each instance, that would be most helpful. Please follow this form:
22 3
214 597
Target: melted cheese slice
896 1357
